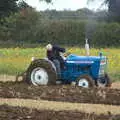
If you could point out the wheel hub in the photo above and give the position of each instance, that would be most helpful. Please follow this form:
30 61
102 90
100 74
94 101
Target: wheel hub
39 76
83 83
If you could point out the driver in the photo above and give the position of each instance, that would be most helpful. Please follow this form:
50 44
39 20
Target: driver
53 54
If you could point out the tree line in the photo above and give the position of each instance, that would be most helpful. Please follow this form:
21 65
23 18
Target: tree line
10 6
26 25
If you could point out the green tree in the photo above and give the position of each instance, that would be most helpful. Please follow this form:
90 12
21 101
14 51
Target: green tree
113 8
22 5
7 6
20 26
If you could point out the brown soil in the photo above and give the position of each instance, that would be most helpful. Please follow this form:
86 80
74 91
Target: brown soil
116 85
61 106
5 78
60 93
18 113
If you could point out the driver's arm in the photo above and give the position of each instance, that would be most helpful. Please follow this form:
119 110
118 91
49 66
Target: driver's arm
59 49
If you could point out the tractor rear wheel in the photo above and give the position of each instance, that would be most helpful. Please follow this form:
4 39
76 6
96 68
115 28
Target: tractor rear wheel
105 81
85 81
41 72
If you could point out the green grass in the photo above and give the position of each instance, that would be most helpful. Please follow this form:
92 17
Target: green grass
16 60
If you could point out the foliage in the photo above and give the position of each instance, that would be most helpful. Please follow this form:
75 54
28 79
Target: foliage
107 35
30 26
66 14
10 6
7 6
80 14
19 26
113 8
22 5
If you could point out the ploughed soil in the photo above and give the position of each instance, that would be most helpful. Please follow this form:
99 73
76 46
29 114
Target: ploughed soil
66 93
19 113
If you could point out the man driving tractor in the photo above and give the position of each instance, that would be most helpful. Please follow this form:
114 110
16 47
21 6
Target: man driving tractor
53 54
84 71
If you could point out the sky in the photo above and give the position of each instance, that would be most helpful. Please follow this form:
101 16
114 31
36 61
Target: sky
64 4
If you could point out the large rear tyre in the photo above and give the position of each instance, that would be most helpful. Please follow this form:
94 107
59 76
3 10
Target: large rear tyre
85 81
41 72
105 81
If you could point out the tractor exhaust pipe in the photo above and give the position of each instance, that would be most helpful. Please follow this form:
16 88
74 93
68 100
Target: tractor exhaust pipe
87 48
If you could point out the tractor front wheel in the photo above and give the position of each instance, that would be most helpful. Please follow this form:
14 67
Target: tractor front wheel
104 82
85 81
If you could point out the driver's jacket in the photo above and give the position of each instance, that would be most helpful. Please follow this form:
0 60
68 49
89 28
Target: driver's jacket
55 54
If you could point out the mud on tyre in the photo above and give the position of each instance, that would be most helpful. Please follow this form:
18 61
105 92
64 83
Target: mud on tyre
85 81
105 81
41 72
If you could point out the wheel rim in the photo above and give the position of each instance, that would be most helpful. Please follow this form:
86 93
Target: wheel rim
101 84
83 83
39 76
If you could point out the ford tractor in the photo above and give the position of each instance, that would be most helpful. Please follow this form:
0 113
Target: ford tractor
84 71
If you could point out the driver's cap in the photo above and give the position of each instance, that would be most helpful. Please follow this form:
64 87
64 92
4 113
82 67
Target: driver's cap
49 47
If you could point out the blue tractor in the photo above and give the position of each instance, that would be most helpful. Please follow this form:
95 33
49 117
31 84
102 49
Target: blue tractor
83 71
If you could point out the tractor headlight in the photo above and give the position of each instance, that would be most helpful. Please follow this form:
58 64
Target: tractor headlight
102 69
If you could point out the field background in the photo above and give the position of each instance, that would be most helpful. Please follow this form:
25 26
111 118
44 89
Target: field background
16 60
